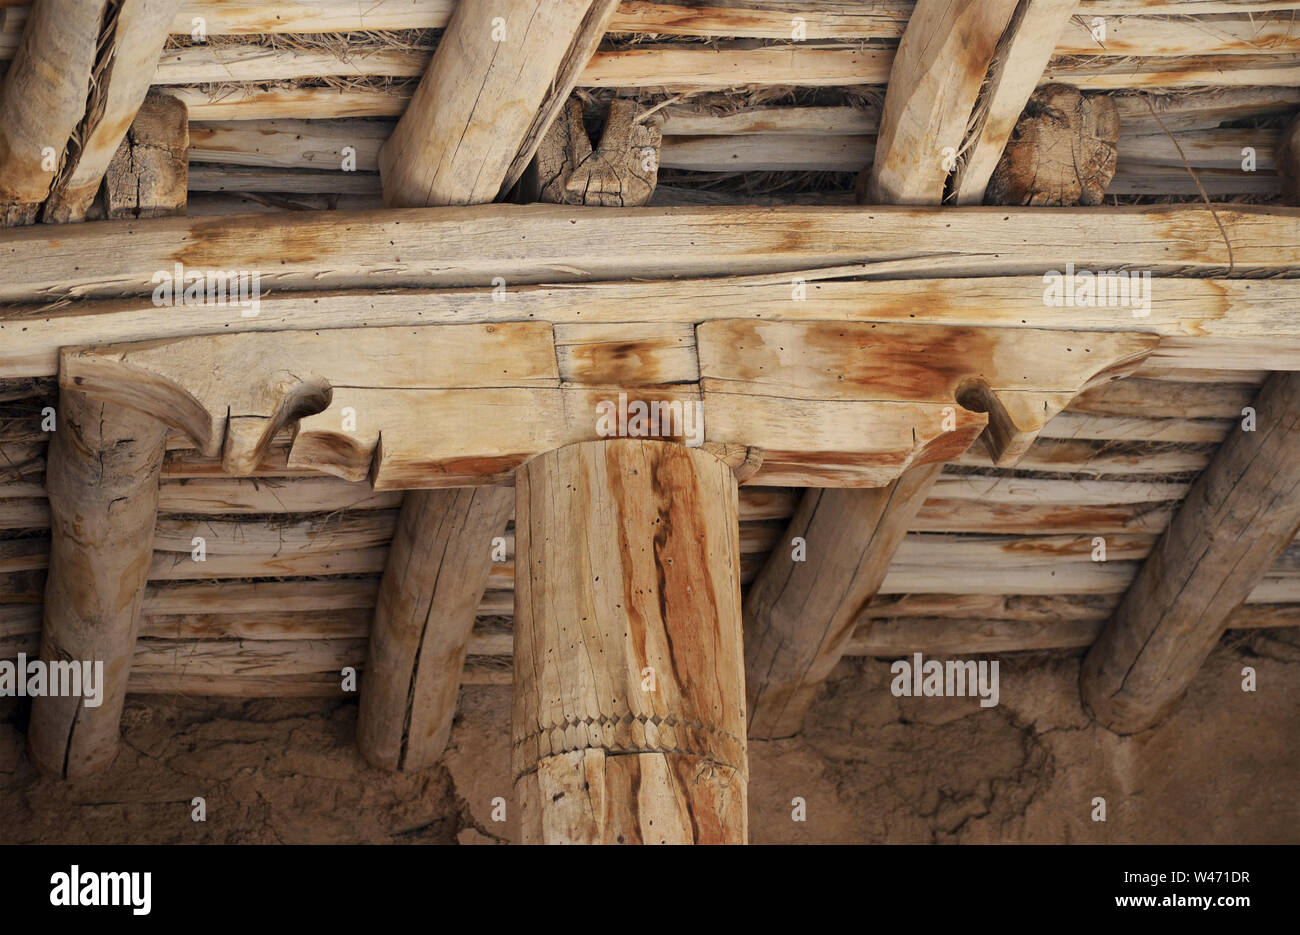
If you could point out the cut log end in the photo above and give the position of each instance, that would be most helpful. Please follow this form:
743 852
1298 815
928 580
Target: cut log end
148 176
1063 151
621 171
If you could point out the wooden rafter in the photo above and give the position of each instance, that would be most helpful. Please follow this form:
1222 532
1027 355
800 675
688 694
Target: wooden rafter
1239 515
942 61
498 78
43 100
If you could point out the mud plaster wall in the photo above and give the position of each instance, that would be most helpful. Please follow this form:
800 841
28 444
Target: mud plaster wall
872 768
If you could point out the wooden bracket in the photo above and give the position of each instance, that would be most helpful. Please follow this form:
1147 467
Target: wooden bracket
831 404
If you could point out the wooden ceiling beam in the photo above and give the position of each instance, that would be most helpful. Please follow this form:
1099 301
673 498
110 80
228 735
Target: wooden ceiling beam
1015 70
853 403
942 61
43 100
500 74
130 46
1207 324
1240 514
528 244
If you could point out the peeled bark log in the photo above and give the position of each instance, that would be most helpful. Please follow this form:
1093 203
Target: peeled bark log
801 611
1239 515
629 710
437 568
103 472
42 101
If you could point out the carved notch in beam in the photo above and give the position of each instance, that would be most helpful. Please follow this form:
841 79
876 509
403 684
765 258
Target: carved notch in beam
831 404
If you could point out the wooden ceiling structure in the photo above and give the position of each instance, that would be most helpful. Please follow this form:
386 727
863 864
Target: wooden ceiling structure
905 446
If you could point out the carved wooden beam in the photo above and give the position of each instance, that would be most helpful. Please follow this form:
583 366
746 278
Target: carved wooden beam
831 404
629 708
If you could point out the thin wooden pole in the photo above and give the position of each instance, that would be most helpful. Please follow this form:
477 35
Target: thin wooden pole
629 711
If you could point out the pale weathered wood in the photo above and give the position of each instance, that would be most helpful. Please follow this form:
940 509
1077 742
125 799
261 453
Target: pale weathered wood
1064 151
43 99
103 481
1241 512
1020 379
1017 64
132 40
488 96
1209 325
1288 161
469 246
621 171
148 176
437 568
800 391
801 610
942 60
632 584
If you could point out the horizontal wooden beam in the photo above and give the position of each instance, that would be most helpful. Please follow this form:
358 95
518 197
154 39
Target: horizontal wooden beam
470 246
828 404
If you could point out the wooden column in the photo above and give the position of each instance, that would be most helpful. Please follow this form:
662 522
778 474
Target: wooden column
438 566
102 478
1240 514
629 710
800 615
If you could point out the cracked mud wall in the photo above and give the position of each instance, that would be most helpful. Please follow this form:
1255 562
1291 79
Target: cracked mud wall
871 768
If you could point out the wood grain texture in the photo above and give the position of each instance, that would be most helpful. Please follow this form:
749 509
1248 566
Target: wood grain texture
1239 515
934 81
1021 379
103 485
489 94
1204 324
148 176
800 613
133 40
42 100
437 568
632 563
1018 62
430 248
